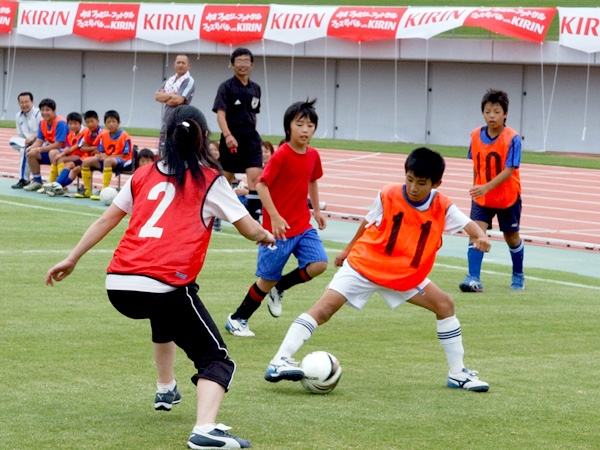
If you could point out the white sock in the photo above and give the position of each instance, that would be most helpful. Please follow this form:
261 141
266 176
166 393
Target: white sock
448 331
205 428
170 386
299 332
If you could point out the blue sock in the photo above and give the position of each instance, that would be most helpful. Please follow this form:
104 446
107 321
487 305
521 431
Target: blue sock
63 177
37 177
517 255
475 258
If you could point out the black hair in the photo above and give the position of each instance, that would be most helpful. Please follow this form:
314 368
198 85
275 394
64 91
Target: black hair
495 96
90 115
49 103
299 110
425 163
186 146
29 94
112 113
239 52
145 153
74 116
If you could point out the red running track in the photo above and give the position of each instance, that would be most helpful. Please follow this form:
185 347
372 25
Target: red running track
560 205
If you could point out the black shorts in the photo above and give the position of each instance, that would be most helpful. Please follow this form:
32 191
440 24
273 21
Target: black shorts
248 153
180 316
509 219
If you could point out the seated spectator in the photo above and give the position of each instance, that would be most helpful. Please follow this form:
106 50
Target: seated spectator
27 122
115 152
52 134
144 156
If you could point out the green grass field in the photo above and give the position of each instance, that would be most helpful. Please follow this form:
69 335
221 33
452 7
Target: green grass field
77 375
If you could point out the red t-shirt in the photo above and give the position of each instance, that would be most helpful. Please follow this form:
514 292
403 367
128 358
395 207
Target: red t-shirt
287 175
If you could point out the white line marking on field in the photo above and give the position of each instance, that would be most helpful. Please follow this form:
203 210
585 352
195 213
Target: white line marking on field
46 208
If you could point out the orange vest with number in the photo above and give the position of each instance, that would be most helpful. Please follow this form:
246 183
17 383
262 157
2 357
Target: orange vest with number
50 134
400 252
489 161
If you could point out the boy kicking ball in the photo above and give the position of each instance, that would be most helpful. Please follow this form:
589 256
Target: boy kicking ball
392 253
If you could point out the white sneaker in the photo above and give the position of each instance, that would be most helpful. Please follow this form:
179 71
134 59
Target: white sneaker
218 437
285 369
54 189
238 327
33 186
44 188
322 206
467 379
274 302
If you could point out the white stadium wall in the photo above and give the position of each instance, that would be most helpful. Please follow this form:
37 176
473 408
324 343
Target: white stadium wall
412 90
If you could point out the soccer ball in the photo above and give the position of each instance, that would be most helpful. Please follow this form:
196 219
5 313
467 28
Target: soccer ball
107 195
322 372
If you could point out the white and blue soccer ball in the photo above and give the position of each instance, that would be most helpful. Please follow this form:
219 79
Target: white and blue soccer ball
108 194
322 372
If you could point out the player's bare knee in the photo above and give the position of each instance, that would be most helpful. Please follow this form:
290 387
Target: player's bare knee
316 268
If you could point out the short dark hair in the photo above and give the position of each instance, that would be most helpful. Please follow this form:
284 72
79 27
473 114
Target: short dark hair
300 110
74 116
495 96
145 153
239 52
29 94
112 113
49 103
90 115
425 163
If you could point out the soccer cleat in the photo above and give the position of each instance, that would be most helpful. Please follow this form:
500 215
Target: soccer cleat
217 224
518 282
94 197
33 186
471 284
287 369
238 327
467 379
86 194
54 189
20 185
165 398
218 437
274 302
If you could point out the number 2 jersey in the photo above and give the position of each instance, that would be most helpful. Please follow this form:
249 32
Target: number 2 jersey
398 247
169 230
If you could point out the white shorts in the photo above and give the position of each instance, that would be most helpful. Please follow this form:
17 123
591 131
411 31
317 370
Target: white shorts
357 289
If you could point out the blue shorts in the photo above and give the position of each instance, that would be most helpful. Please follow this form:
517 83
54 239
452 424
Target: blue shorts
45 158
306 247
508 218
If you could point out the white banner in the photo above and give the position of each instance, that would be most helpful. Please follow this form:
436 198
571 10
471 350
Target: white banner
426 22
44 20
294 24
580 28
169 23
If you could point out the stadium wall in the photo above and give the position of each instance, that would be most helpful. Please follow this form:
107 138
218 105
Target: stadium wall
420 91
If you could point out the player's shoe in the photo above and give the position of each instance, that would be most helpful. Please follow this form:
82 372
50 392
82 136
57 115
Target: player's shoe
471 284
20 185
217 224
54 189
218 437
33 186
86 194
285 369
322 206
94 197
165 398
467 379
238 327
274 302
518 282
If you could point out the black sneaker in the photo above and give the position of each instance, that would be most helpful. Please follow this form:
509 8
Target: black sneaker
165 399
21 184
218 437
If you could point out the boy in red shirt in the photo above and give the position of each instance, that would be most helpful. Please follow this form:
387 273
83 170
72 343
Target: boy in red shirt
289 177
392 254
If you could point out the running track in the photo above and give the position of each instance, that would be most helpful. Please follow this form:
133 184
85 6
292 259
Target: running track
560 205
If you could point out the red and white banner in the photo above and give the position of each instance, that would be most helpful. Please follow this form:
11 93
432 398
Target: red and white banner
43 20
361 24
528 24
580 28
425 22
106 22
295 24
8 10
233 25
169 23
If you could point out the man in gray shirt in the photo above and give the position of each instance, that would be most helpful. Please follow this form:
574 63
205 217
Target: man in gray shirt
27 121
